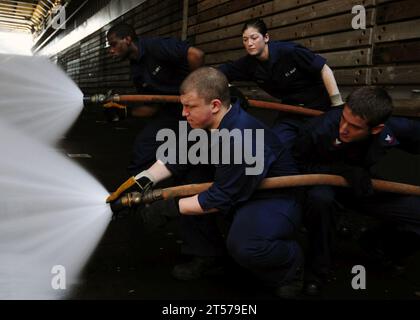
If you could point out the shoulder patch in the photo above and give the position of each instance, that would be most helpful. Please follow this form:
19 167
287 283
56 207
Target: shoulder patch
337 142
390 139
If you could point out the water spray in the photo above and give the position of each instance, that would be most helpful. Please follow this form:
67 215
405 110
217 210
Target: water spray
59 222
38 97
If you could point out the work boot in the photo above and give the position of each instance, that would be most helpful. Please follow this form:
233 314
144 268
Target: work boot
313 286
292 288
292 284
197 268
315 280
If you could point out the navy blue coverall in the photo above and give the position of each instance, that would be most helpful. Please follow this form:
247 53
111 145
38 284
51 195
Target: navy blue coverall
292 74
261 236
160 68
318 148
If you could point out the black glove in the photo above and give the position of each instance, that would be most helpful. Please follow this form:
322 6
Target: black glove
119 209
143 184
115 112
358 178
158 213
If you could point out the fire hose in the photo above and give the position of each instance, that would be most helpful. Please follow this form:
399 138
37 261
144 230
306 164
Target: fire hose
135 198
104 98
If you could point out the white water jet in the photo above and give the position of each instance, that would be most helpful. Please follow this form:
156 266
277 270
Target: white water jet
37 96
52 213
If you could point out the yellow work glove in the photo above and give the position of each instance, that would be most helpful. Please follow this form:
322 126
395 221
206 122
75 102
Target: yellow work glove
142 183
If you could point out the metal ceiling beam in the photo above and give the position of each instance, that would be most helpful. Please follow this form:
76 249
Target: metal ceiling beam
15 7
38 20
20 3
19 12
40 15
42 3
33 13
14 25
23 23
14 29
51 35
31 6
15 16
52 4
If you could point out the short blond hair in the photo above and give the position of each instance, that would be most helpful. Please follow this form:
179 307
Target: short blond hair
209 83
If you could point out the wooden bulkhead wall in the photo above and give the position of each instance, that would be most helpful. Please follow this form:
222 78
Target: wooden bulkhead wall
386 53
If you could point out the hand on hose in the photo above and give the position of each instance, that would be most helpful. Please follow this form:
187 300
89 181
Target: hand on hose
142 183
358 178
158 213
115 112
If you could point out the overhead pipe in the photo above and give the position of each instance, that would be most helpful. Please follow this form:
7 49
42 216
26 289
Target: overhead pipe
12 25
14 19
15 15
43 5
14 28
18 16
36 20
135 198
24 5
34 12
13 9
51 35
46 14
50 2
20 3
40 11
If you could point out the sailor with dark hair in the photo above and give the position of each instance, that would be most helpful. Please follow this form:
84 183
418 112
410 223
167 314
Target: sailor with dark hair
285 70
158 66
352 142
